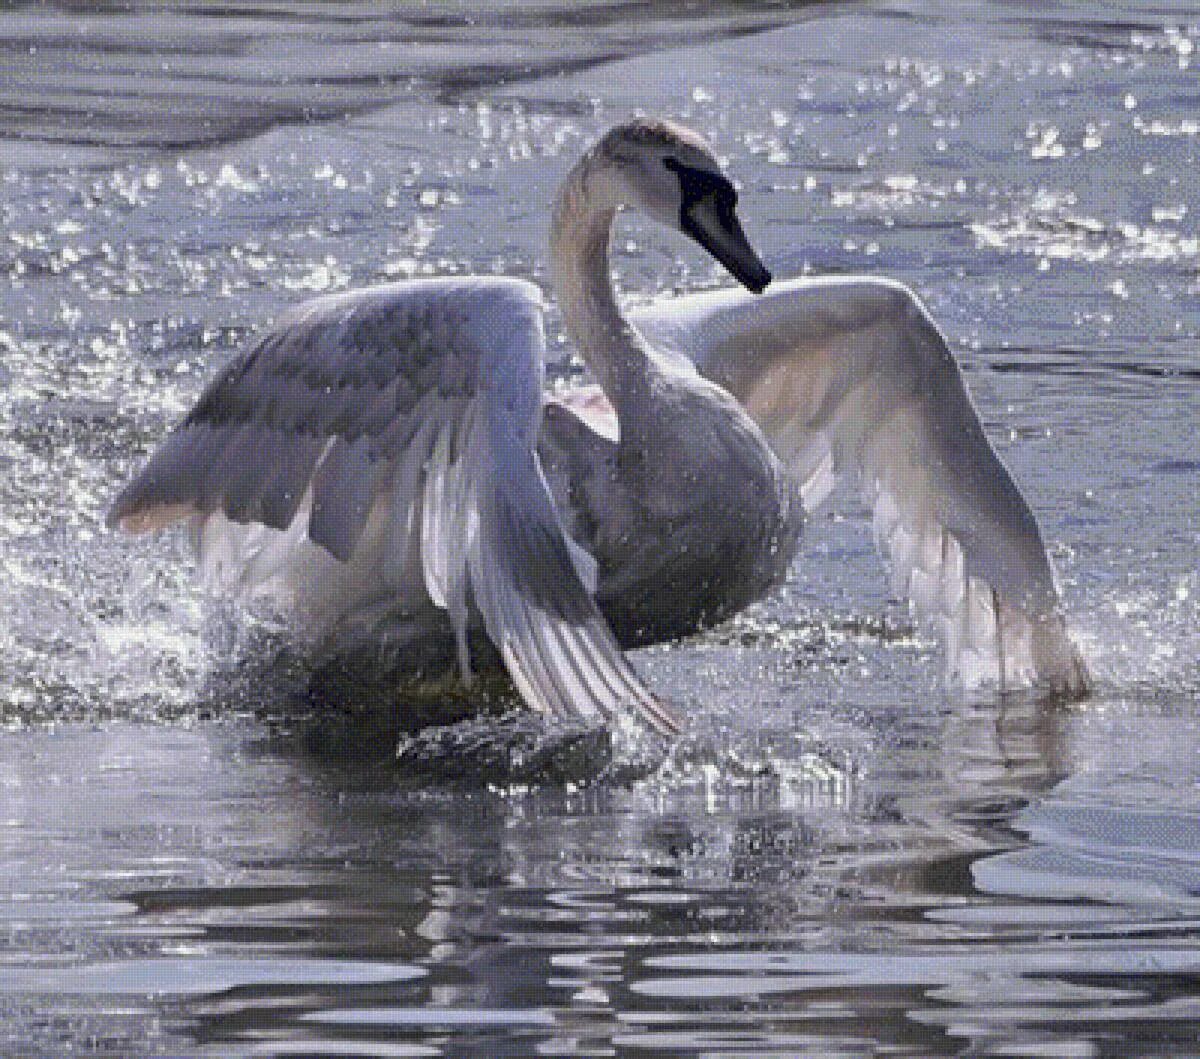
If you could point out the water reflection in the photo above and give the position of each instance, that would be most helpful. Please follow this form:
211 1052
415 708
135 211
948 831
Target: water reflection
255 895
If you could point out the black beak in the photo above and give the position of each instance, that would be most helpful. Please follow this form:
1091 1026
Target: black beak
712 222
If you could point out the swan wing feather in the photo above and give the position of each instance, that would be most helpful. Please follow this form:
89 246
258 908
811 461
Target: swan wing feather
849 378
384 439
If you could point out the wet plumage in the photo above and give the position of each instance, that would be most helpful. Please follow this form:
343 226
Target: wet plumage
384 463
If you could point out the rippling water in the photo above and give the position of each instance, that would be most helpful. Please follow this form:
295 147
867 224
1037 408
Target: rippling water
839 859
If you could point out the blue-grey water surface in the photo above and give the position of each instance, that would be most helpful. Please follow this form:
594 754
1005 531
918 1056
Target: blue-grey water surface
840 858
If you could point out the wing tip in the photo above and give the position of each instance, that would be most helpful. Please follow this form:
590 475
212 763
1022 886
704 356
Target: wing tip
138 518
660 716
1058 661
603 689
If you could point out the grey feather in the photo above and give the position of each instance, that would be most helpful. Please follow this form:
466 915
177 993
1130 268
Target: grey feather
172 477
249 461
283 486
382 396
343 489
538 612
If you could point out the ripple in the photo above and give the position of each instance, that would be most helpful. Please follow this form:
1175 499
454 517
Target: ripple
200 974
759 974
433 1017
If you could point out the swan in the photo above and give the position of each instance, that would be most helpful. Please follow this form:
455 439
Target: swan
386 465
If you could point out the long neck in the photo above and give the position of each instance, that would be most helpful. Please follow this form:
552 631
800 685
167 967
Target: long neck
614 352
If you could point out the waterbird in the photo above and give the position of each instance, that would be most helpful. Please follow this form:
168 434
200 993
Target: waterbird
387 465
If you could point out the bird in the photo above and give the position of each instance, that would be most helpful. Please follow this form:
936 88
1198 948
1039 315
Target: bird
388 466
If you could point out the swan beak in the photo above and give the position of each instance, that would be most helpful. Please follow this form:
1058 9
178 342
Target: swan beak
714 225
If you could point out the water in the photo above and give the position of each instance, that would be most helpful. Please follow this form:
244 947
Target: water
839 858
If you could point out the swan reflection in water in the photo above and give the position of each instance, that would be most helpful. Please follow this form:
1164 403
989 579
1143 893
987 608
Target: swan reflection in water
386 466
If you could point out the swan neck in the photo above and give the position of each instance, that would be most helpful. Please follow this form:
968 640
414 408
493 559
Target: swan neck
579 249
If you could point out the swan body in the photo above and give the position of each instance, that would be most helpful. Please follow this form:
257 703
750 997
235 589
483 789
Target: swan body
385 464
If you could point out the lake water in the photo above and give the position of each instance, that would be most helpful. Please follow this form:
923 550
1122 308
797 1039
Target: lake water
840 858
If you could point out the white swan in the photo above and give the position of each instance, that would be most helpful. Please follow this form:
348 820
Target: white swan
379 462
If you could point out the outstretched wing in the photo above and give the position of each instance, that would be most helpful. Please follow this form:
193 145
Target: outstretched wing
849 377
379 445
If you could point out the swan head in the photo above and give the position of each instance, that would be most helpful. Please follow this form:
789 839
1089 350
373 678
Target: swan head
669 173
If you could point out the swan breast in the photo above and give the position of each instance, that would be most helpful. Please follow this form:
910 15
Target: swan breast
690 516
